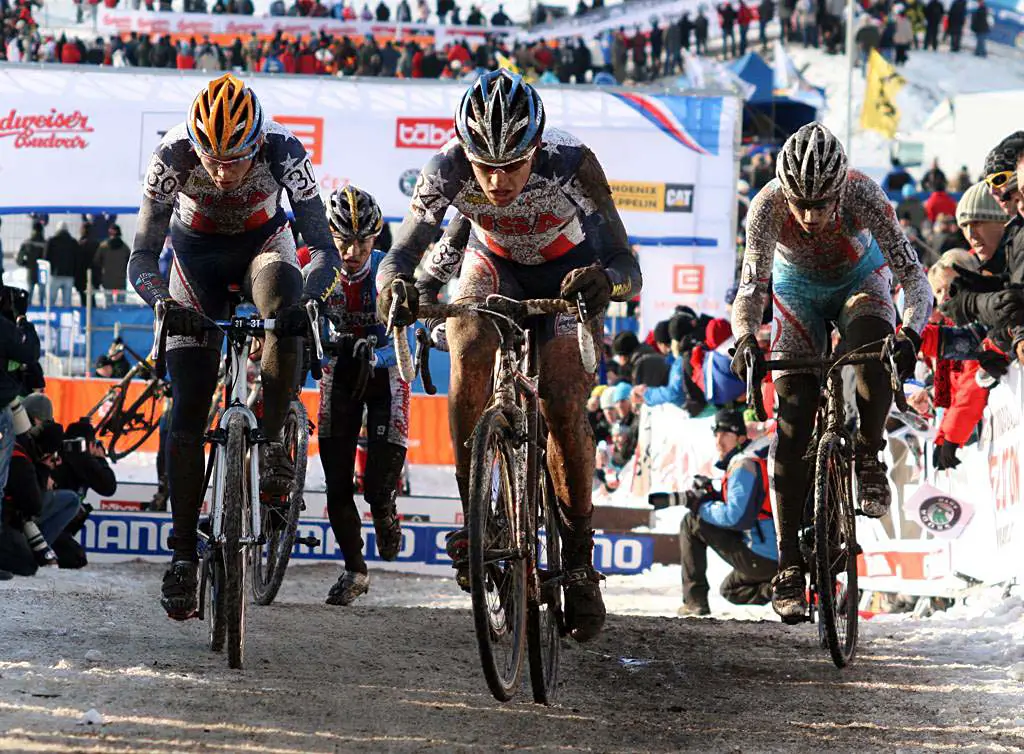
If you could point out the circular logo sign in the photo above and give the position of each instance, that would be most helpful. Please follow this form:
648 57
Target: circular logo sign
407 181
940 513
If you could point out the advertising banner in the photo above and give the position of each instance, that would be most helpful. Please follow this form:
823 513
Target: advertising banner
670 158
117 536
113 21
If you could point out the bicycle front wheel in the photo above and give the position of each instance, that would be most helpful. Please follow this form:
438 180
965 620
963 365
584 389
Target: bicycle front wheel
280 522
835 548
237 499
497 562
544 618
133 425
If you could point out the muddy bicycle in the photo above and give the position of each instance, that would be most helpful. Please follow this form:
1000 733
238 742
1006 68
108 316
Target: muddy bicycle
124 428
237 535
513 520
830 545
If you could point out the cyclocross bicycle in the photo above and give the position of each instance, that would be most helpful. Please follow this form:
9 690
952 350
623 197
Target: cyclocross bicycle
236 533
830 514
126 429
513 518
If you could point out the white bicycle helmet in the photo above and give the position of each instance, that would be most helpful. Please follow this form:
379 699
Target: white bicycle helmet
812 164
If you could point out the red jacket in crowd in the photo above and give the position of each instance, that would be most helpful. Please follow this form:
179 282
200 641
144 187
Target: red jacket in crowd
186 62
69 53
308 63
939 203
956 390
744 17
460 53
288 61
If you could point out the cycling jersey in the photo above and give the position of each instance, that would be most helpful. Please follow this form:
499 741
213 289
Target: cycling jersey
566 206
356 293
203 219
838 274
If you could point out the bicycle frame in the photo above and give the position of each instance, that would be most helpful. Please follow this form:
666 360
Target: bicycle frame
238 349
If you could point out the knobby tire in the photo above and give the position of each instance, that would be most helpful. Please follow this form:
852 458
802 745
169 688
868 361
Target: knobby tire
213 579
500 627
279 526
237 498
543 625
835 546
135 437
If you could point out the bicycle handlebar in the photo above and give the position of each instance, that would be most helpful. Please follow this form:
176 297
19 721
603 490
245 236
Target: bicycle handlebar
887 355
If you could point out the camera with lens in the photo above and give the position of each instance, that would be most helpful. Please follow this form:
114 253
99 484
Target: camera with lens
701 491
73 445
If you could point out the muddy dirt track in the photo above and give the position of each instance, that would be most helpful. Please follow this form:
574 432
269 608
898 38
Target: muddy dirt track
391 679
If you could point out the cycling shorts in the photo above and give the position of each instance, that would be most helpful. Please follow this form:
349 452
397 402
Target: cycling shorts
387 401
205 266
485 273
805 306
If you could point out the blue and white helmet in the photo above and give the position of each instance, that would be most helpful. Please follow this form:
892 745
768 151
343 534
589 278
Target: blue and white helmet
500 119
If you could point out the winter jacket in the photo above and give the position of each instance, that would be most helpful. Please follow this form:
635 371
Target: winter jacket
979 20
112 263
62 253
939 203
19 345
745 505
956 389
30 253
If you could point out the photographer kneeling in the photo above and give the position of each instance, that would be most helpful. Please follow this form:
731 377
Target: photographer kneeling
736 523
34 513
83 466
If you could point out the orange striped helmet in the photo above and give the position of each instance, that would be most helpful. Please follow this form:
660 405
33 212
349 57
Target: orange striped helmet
225 120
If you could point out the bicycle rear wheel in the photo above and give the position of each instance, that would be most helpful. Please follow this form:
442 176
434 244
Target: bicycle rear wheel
280 522
544 616
213 598
133 425
237 499
497 566
835 548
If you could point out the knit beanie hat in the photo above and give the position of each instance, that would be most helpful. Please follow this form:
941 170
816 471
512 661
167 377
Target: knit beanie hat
1004 155
978 205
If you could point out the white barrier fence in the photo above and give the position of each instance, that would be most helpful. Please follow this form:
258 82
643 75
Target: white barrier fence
946 530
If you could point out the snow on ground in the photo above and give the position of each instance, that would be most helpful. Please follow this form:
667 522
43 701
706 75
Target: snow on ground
931 78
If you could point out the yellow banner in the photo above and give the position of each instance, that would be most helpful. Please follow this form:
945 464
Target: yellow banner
638 196
879 111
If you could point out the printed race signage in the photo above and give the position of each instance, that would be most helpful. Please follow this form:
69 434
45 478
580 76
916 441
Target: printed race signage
671 159
117 536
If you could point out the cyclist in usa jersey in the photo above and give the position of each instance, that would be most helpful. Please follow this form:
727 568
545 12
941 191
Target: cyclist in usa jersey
828 238
543 226
216 181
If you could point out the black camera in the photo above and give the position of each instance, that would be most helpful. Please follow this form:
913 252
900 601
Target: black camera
74 445
702 490
13 302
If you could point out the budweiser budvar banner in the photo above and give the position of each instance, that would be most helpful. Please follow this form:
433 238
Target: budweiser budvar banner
191 24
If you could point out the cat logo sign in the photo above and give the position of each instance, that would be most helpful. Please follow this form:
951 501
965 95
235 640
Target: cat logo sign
638 196
688 279
310 131
679 197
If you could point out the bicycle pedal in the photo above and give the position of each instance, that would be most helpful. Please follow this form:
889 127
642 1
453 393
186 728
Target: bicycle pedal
310 541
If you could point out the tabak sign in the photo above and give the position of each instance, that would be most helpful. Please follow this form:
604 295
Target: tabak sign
53 130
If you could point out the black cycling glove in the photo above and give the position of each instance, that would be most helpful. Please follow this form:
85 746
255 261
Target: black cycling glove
183 321
748 345
908 343
406 314
593 283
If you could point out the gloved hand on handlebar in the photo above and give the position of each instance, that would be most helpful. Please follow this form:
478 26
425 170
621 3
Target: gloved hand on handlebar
407 312
908 343
593 283
748 345
292 321
182 321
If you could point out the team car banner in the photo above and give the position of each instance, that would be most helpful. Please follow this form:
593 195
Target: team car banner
81 139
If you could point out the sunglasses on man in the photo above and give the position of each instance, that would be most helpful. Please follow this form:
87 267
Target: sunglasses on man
997 180
805 205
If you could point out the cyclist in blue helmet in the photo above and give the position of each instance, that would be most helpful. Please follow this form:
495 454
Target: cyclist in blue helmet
541 224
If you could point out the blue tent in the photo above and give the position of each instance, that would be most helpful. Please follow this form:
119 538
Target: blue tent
768 115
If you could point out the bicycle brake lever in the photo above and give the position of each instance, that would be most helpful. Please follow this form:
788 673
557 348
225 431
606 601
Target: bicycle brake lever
582 315
156 354
397 300
315 367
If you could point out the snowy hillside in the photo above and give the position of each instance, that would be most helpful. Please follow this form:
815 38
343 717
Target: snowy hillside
931 78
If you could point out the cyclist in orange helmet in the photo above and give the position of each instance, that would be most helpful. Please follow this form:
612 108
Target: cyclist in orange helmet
216 182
